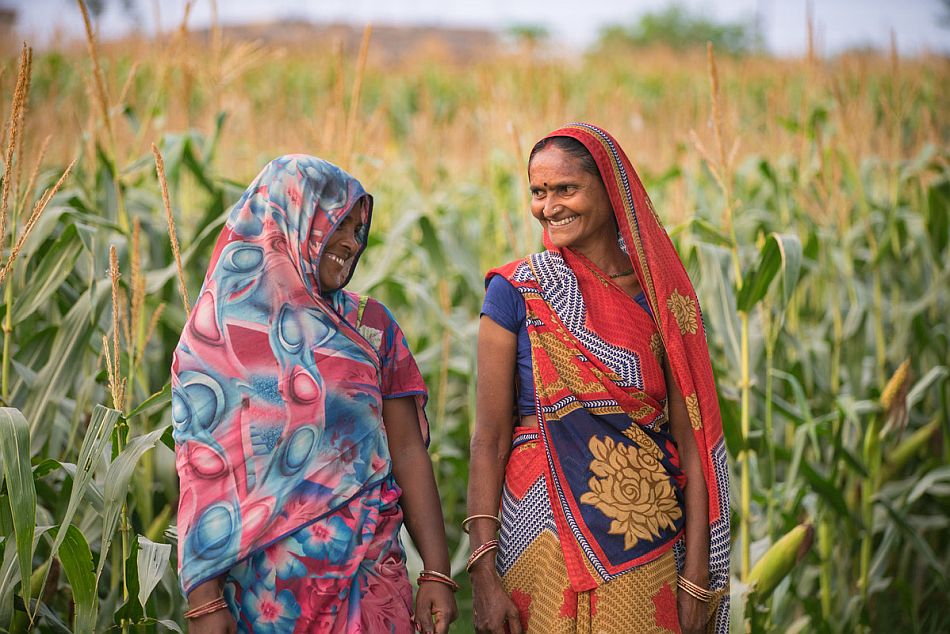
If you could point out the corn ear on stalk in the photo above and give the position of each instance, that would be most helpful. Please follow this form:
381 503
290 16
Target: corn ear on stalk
907 449
779 560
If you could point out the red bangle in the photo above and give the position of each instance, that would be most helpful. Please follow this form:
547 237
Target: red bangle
481 551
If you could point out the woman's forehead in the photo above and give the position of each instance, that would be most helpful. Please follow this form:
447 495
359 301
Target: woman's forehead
555 165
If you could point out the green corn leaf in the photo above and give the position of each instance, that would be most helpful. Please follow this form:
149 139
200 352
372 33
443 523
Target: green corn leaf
94 443
792 256
154 402
76 558
117 487
432 243
50 619
43 468
914 537
721 311
67 349
211 143
781 252
131 611
53 269
169 625
152 562
934 376
93 493
925 483
938 215
705 230
827 490
9 576
756 281
15 451
731 429
191 162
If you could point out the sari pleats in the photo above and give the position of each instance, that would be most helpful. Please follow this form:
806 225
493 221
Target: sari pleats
533 571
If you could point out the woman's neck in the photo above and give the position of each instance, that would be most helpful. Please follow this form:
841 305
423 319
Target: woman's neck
605 255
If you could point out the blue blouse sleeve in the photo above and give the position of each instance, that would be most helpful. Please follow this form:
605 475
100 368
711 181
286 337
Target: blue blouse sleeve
504 304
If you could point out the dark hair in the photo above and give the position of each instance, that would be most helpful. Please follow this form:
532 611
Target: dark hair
570 146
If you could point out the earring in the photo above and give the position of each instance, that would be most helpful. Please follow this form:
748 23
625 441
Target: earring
621 243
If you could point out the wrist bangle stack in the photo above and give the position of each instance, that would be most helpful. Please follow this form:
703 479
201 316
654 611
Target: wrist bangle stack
481 551
207 608
438 577
695 591
479 516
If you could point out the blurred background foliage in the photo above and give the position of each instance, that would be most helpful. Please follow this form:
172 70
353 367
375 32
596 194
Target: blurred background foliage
809 198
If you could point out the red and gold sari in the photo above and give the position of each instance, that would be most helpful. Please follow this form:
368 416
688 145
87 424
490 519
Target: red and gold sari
593 508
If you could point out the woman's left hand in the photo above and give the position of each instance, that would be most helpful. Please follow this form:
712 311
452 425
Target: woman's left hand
692 613
435 607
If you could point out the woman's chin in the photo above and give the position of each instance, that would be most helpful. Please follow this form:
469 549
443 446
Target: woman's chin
560 240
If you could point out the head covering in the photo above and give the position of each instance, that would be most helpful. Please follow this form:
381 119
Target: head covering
666 284
555 275
276 399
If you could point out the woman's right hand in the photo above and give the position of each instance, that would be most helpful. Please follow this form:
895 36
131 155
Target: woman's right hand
493 609
220 622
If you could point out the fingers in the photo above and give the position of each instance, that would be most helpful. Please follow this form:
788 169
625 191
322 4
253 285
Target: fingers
424 616
441 623
514 622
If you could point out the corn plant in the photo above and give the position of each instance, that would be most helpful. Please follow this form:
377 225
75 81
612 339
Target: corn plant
809 198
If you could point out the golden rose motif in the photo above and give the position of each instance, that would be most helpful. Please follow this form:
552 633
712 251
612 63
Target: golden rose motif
692 406
683 308
631 487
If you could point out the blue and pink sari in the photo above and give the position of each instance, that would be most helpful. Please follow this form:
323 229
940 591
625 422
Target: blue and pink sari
277 390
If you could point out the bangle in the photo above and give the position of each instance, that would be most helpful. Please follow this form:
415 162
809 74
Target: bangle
479 516
695 591
207 608
481 551
434 575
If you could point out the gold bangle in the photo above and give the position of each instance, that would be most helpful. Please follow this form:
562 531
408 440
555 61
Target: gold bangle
480 516
695 591
434 575
207 608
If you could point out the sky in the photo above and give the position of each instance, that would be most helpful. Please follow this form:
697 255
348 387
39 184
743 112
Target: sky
840 24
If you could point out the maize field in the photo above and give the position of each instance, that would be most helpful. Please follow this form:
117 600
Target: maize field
808 197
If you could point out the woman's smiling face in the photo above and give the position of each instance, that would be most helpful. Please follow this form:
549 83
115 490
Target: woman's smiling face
340 251
570 203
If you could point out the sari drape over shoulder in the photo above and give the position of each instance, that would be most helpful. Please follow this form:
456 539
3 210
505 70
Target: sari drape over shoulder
609 462
277 387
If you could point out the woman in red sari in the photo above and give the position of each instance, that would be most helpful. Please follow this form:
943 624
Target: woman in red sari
611 475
